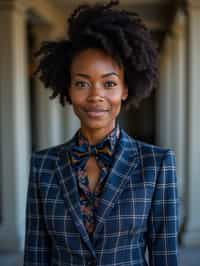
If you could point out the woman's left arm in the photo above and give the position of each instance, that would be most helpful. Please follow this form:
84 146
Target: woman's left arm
163 223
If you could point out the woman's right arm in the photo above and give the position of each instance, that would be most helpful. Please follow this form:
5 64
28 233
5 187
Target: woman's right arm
37 242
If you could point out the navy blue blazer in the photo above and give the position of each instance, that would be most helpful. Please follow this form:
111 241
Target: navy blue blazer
138 210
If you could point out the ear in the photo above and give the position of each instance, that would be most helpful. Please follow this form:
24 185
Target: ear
125 93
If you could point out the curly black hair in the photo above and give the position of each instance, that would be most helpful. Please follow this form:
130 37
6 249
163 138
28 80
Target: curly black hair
119 33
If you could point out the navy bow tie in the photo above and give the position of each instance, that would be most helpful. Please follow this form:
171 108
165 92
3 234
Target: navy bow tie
81 154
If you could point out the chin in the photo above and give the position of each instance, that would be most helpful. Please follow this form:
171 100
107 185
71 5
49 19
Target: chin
97 124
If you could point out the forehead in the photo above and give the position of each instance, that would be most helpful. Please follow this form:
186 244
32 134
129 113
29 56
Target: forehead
91 60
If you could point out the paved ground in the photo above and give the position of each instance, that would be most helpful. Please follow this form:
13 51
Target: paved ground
188 257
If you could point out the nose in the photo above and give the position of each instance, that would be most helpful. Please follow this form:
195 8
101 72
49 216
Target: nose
96 93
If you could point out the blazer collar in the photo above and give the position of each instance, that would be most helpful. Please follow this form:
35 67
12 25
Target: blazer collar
125 161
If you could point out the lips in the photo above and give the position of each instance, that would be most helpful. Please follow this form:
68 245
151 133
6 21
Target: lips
95 112
96 109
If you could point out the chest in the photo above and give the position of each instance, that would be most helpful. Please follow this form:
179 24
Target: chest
129 211
93 173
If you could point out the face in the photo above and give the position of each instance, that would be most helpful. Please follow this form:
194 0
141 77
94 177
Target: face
97 89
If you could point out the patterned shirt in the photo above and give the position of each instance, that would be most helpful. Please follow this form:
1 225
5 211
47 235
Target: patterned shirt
89 200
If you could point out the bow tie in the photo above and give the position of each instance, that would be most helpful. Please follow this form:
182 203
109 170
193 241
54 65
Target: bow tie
81 154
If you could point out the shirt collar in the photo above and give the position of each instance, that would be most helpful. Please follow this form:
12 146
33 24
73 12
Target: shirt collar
112 137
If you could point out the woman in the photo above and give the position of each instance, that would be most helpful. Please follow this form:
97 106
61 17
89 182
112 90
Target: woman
102 198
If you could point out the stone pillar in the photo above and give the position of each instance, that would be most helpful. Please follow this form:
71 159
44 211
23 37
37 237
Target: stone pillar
172 100
192 227
53 123
163 96
48 113
178 104
41 108
178 88
14 124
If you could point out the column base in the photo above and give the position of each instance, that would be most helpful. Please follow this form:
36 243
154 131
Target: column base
191 238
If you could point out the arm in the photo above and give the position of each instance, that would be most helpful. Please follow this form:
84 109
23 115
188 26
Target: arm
163 220
37 242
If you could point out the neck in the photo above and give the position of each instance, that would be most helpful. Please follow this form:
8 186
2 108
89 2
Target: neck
95 135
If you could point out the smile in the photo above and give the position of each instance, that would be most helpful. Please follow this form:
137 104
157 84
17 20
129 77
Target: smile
96 112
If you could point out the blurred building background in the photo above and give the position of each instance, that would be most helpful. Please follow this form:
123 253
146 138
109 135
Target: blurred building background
30 121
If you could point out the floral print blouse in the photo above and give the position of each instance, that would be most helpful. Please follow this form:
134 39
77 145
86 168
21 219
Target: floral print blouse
89 201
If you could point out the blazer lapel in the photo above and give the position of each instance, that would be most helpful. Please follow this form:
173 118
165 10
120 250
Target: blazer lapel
125 161
69 188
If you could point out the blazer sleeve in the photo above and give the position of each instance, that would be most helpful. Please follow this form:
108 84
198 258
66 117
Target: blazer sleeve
163 223
37 242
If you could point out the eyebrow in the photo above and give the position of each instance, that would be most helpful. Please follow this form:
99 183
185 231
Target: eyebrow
103 76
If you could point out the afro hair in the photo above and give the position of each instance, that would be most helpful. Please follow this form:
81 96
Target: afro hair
119 33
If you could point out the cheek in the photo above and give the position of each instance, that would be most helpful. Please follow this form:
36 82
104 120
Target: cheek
77 98
115 99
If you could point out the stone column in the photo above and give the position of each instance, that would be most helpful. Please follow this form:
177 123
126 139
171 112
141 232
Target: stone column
172 100
171 94
48 113
192 228
163 97
178 104
14 124
41 109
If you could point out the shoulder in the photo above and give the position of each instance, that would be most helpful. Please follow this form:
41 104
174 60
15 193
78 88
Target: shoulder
49 155
156 164
147 149
150 154
155 155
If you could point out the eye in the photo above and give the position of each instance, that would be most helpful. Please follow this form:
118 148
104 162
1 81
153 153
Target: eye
81 84
110 84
